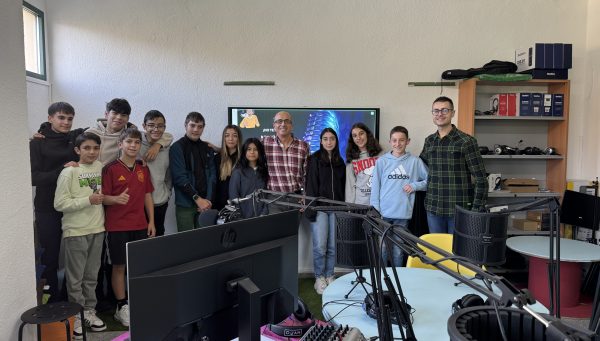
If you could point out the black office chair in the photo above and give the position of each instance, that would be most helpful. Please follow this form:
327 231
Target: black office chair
207 218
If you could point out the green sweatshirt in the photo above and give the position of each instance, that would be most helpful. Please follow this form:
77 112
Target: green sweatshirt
74 186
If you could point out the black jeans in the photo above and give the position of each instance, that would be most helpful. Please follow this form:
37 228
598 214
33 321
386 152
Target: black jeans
49 232
160 212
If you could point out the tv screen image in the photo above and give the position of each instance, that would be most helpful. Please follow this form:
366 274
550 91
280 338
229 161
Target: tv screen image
308 122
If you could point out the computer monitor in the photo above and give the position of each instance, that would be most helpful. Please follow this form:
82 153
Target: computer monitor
180 285
308 122
580 209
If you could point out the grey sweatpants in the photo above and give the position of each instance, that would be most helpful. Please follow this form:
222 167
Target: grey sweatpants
82 261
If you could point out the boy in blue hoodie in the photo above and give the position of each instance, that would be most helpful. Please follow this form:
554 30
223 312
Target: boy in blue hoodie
396 177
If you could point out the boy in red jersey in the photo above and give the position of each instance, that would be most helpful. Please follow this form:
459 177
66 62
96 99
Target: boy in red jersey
127 189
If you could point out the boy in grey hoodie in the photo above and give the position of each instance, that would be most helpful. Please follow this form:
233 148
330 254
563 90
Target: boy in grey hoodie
396 177
109 129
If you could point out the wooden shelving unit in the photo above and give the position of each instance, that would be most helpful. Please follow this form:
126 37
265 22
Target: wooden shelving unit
555 129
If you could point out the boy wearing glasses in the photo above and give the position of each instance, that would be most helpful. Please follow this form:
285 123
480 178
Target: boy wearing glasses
456 170
154 126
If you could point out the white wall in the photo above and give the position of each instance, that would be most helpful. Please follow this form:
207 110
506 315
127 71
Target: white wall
174 56
591 96
17 279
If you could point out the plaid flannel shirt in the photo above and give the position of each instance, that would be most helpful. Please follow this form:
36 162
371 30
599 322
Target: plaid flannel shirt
287 167
456 173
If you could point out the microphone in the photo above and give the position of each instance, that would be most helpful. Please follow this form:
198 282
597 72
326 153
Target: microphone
236 201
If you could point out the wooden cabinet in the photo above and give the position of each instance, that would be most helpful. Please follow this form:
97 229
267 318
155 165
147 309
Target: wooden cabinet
538 131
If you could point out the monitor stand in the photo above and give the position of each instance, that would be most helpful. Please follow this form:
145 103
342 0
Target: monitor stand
248 308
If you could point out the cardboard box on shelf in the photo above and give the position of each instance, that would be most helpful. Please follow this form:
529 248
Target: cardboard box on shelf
538 215
527 225
516 185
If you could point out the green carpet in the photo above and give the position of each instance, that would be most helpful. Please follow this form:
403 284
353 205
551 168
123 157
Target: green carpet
305 291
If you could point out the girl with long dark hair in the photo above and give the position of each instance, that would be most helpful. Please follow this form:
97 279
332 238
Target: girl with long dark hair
325 178
361 153
250 174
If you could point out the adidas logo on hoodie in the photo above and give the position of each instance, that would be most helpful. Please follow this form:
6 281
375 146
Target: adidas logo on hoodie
399 173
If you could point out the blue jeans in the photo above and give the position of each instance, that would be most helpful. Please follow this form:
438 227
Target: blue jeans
439 224
323 240
397 255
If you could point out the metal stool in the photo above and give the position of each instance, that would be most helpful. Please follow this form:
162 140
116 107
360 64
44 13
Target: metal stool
52 312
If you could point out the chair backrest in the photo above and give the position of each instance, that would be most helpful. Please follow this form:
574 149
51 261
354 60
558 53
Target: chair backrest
444 242
207 218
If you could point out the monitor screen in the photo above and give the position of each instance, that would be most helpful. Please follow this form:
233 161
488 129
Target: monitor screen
580 209
308 122
179 284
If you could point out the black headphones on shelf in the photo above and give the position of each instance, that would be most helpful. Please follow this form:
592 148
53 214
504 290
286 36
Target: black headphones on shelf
502 149
301 314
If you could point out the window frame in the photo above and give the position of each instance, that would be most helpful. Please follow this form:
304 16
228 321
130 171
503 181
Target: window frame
41 33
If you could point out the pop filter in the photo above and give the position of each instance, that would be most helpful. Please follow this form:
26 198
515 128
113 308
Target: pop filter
479 236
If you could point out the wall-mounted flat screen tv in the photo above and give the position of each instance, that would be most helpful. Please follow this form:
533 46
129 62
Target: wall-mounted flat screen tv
308 122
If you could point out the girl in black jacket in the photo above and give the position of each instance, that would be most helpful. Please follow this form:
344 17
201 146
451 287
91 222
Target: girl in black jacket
326 178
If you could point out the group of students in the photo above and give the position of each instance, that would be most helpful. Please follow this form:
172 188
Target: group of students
113 177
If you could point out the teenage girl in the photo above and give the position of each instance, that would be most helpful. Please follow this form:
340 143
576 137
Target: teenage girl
361 153
249 175
227 158
325 178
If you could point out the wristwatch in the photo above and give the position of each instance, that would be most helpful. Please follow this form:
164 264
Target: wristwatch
195 197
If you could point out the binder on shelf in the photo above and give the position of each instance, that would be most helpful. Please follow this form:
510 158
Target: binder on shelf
558 103
547 111
503 105
537 105
524 104
511 106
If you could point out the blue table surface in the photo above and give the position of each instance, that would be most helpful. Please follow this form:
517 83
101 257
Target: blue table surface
570 250
429 292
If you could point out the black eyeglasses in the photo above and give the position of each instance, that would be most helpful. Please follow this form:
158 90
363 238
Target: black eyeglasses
444 111
280 121
155 126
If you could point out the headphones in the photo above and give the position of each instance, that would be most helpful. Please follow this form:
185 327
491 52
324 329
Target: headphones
502 149
532 151
467 301
301 314
374 312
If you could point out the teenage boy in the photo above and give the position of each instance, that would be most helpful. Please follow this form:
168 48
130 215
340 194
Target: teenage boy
194 173
396 177
456 170
127 192
154 127
116 119
48 158
79 197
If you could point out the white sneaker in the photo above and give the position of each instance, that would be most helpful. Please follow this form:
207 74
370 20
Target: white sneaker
329 280
93 322
122 315
320 285
77 328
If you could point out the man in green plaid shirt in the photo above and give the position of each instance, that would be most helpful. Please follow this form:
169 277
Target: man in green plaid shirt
456 170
